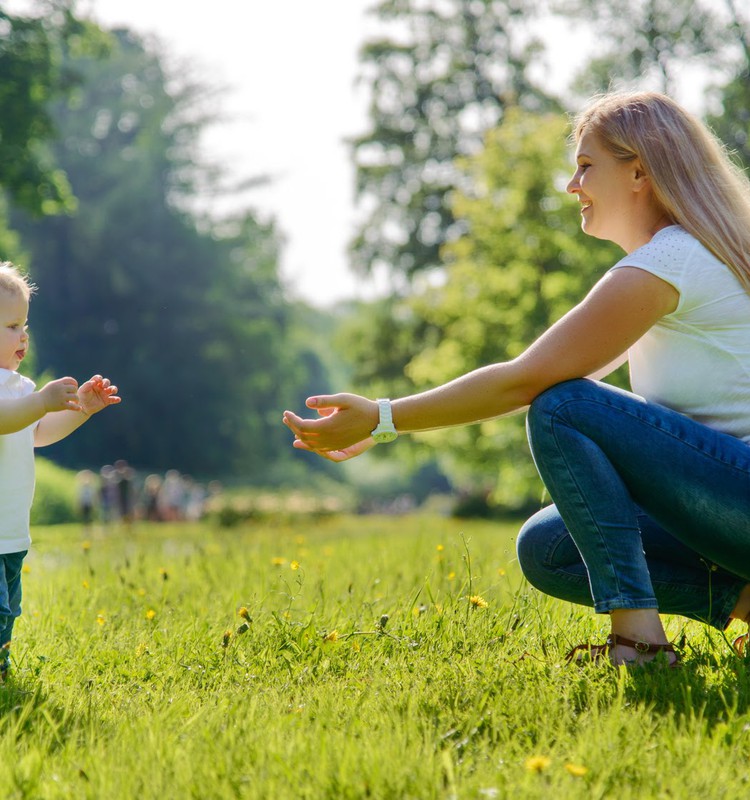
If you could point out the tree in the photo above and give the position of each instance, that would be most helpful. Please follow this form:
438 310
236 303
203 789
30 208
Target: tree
441 74
439 81
520 265
32 51
188 315
732 122
652 43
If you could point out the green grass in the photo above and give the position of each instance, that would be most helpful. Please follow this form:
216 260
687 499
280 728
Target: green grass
126 684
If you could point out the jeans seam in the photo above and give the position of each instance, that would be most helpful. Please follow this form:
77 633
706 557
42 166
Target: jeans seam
553 415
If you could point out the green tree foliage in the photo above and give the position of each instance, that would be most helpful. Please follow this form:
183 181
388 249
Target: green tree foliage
522 263
188 317
732 122
379 339
32 74
653 42
439 77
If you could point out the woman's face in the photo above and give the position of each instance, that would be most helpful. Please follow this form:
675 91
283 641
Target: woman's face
607 190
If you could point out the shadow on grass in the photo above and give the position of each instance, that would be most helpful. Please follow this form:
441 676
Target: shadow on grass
26 712
714 688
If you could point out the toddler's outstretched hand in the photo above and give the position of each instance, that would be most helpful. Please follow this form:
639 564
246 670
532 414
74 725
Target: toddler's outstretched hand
61 395
97 393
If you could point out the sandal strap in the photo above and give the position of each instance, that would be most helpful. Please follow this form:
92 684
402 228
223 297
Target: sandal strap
640 646
596 651
600 650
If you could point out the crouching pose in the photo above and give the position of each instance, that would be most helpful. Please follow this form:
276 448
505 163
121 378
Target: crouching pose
651 489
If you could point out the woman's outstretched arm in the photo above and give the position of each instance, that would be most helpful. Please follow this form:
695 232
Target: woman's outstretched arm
622 306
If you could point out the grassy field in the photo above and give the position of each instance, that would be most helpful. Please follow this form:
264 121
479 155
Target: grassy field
342 658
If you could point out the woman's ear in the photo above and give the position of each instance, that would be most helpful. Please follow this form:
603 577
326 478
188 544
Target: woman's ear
640 178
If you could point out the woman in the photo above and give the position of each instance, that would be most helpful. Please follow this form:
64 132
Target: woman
651 490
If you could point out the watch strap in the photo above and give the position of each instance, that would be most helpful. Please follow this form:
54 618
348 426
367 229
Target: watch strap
385 430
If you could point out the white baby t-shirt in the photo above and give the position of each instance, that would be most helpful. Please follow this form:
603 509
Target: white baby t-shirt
16 471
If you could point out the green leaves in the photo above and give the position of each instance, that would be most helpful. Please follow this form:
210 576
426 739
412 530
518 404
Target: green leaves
32 75
440 76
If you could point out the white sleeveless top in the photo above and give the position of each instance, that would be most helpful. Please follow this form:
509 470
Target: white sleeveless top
695 360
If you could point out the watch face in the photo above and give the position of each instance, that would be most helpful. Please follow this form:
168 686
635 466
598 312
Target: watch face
385 436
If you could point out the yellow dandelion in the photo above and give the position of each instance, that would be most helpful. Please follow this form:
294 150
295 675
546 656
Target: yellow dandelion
294 565
440 548
576 770
86 546
451 576
101 619
226 638
500 571
26 569
300 539
244 628
277 561
150 614
478 601
244 613
537 763
142 650
85 584
333 636
164 574
356 646
141 593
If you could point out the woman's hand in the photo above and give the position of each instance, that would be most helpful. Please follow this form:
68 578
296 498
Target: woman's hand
339 455
342 429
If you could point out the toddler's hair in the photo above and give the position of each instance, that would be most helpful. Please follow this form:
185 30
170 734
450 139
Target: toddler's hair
13 281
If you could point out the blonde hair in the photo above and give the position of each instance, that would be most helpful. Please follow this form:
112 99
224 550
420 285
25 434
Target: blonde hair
692 176
13 281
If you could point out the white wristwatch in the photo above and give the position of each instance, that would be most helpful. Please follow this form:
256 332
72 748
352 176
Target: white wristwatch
385 432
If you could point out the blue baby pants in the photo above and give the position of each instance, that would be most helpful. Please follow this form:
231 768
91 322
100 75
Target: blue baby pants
10 601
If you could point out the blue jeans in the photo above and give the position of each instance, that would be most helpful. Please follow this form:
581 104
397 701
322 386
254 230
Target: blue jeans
652 509
10 601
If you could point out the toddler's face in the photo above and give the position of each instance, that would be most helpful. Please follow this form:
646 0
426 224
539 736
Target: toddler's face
14 337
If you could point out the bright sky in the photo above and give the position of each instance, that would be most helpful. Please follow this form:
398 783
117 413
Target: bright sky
289 67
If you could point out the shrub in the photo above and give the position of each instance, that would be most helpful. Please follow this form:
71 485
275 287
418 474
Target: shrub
55 494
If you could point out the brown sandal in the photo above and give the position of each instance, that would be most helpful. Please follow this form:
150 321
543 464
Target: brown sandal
598 652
